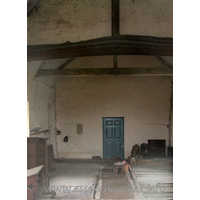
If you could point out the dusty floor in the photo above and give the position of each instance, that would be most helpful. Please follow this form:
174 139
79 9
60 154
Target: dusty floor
154 178
94 179
72 179
115 186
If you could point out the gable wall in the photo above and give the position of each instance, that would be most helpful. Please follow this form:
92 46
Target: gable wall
142 101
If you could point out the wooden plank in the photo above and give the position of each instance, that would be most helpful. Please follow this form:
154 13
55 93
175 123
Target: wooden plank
157 177
106 71
115 17
34 171
111 45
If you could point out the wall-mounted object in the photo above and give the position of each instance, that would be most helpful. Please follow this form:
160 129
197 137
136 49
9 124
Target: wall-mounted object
37 130
65 139
79 129
58 132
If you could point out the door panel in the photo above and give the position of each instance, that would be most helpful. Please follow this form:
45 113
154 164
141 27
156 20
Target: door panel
113 137
117 148
117 122
109 147
109 122
117 132
109 132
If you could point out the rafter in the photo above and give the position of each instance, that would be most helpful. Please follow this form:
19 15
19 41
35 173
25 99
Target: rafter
112 45
164 62
106 71
31 4
65 64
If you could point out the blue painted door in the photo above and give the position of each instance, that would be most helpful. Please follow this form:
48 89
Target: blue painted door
113 137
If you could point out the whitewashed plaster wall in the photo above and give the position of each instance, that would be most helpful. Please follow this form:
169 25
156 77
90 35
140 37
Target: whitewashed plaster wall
57 21
142 101
41 100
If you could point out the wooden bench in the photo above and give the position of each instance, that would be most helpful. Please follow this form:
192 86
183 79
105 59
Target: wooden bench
34 176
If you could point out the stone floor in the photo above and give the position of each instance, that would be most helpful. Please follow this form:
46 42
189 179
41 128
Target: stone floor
72 180
154 178
94 179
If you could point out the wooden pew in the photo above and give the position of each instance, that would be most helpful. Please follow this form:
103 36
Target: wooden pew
34 176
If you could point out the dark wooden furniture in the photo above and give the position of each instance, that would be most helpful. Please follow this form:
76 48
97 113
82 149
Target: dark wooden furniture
34 177
116 170
157 148
36 152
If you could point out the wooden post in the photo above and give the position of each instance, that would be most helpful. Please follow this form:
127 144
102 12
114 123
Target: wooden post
115 25
171 117
115 17
46 164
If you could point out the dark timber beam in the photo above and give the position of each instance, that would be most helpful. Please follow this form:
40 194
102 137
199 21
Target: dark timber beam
111 45
31 4
65 64
115 17
164 62
115 62
115 25
106 71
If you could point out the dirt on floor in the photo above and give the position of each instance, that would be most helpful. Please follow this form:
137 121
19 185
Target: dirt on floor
115 186
99 176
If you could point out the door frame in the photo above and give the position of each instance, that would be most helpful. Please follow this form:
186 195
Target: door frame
122 118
